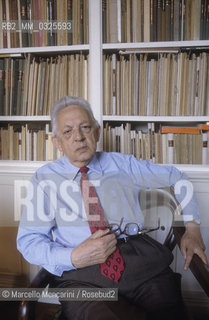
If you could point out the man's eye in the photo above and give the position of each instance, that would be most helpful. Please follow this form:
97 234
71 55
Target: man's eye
68 132
86 128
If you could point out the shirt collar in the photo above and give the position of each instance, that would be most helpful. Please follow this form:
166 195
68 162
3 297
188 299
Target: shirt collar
94 166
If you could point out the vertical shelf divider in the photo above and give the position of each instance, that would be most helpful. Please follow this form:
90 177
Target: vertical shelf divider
95 61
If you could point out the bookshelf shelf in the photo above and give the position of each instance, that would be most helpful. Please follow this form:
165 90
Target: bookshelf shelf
24 118
47 50
184 119
157 45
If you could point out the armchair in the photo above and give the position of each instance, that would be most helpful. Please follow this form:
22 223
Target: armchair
149 200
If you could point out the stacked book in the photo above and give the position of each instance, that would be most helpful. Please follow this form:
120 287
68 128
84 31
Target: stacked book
163 144
154 20
27 142
30 86
35 23
166 84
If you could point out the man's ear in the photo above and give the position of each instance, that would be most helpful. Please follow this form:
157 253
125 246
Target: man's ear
55 141
98 133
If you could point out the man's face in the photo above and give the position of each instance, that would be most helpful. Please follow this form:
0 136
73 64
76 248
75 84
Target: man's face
76 135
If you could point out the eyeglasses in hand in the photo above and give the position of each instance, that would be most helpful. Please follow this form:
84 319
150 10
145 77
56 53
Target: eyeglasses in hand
130 229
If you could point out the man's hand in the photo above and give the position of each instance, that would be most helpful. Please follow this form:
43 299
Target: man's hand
94 250
192 243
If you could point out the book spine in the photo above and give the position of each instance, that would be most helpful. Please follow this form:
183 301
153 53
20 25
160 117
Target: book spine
204 147
69 15
163 17
207 22
147 21
170 146
176 19
23 19
2 84
154 20
104 23
168 20
159 20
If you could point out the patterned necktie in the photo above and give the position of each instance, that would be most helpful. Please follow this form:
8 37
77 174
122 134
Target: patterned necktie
114 265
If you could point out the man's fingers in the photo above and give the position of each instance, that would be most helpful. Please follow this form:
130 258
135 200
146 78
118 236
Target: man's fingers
188 255
99 233
183 250
202 256
188 260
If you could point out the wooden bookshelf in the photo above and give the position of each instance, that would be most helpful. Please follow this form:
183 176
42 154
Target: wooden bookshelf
191 43
96 49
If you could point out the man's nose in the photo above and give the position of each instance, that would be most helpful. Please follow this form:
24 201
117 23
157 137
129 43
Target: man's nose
78 134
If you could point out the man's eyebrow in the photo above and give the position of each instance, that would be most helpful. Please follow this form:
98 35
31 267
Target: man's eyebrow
86 122
67 126
83 122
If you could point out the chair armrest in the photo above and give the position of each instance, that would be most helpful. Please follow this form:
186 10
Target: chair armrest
197 266
41 280
26 309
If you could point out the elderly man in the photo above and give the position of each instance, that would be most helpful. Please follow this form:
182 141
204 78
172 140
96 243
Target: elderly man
81 220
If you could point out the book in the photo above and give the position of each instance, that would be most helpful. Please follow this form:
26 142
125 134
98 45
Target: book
128 21
24 8
1 31
7 16
136 20
69 18
114 16
19 97
147 21
204 127
7 85
183 130
4 144
104 21
168 20
163 20
205 147
176 21
195 19
159 20
2 84
188 19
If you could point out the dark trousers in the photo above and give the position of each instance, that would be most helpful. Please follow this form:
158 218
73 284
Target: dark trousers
147 284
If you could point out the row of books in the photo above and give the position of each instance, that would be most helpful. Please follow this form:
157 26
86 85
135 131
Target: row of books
161 144
29 23
167 145
30 86
27 142
154 20
166 84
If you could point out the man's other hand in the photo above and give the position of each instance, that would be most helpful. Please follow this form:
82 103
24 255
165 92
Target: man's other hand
192 243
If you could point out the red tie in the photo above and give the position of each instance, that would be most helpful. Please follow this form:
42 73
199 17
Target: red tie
114 265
